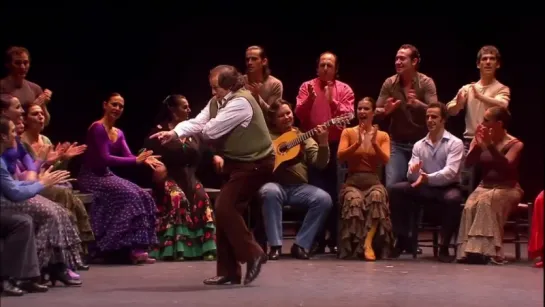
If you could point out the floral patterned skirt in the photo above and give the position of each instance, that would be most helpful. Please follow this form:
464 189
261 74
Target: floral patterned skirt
185 228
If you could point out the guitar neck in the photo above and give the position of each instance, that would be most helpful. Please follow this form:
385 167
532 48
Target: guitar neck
303 137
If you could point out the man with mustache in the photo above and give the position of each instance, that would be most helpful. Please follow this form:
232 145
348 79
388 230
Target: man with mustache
477 97
434 178
404 98
265 88
18 64
319 100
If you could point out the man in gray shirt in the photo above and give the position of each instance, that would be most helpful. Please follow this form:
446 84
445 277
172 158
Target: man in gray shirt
18 64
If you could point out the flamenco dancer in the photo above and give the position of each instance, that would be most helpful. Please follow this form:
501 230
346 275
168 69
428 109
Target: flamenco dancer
234 116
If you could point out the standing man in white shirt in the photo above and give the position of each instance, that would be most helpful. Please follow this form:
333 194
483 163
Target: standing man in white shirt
234 122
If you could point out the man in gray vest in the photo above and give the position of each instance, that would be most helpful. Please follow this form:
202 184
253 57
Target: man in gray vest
233 120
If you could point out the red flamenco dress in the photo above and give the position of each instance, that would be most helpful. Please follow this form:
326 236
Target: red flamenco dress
535 244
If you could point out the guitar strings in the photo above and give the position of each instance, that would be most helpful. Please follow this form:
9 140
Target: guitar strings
310 133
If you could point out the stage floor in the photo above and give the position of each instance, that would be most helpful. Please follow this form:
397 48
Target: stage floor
324 281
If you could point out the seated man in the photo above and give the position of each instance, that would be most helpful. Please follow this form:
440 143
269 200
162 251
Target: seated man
434 178
19 267
291 186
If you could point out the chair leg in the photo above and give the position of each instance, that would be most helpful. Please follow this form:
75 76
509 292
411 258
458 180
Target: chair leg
435 243
517 240
339 232
414 235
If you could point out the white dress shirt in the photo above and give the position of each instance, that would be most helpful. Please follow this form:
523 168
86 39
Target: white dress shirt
237 112
442 162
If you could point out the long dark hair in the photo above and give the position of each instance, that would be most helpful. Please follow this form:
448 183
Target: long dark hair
4 129
501 114
165 113
262 55
5 101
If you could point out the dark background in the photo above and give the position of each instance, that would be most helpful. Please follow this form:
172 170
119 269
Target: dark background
84 54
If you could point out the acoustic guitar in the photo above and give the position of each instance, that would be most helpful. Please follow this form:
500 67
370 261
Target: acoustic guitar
288 145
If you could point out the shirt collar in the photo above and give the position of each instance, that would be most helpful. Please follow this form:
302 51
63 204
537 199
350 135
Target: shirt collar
446 136
415 81
226 98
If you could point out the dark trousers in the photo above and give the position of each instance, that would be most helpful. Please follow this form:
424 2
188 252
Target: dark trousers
18 256
235 243
405 201
327 180
470 175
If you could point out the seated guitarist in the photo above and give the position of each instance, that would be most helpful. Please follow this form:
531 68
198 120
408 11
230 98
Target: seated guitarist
291 186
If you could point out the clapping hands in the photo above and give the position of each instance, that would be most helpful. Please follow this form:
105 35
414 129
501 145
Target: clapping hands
391 105
483 136
422 178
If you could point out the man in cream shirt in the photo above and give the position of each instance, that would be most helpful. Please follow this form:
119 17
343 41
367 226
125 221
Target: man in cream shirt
477 97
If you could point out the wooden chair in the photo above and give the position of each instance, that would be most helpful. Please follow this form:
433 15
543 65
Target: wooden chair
520 223
420 225
342 173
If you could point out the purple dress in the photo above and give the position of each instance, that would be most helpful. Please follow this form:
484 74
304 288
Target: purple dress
122 213
18 160
56 238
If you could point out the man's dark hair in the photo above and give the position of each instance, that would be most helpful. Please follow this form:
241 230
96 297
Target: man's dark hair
442 107
262 55
336 62
15 50
489 49
415 54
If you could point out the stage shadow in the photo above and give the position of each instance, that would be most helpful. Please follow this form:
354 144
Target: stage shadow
192 288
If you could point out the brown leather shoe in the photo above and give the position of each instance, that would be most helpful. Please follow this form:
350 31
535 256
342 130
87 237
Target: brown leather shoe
253 268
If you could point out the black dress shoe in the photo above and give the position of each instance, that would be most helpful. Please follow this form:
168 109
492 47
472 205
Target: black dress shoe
253 268
444 255
317 248
298 252
275 252
409 251
82 267
33 287
9 289
221 280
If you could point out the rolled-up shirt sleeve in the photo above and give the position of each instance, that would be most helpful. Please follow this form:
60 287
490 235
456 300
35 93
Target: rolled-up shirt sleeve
194 125
237 111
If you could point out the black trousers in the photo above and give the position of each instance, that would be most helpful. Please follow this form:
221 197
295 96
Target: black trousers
327 180
18 256
445 202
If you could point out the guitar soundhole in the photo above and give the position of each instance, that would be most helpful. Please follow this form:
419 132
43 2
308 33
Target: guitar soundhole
282 149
